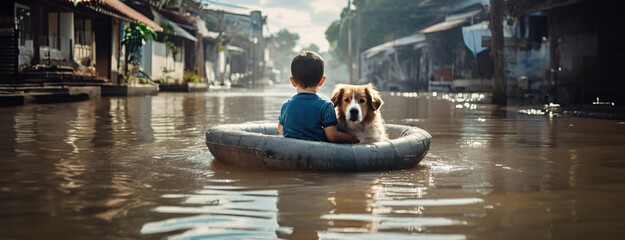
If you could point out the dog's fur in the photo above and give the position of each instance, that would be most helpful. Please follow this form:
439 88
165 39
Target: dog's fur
358 112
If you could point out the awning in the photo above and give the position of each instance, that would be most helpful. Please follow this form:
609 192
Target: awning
473 34
178 31
128 11
451 21
390 46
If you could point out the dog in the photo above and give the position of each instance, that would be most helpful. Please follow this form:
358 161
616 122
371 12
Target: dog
358 112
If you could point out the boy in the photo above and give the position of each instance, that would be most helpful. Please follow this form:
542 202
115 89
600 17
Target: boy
306 115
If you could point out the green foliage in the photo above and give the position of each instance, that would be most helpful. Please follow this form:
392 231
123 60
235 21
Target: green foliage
312 47
168 31
135 36
191 76
381 21
166 71
126 78
143 80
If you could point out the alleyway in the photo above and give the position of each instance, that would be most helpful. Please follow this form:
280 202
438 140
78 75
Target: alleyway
133 167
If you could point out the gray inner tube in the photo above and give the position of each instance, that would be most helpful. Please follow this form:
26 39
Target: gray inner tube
259 145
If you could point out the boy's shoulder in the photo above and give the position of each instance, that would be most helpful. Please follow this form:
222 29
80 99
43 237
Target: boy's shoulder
308 99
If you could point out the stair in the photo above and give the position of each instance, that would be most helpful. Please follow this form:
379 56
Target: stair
19 94
8 57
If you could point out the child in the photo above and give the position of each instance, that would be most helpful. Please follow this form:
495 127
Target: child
306 115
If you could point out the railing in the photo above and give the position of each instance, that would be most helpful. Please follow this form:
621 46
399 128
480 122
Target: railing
54 50
83 54
50 50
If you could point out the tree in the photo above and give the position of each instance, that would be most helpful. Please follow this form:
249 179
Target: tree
135 36
381 21
281 47
312 47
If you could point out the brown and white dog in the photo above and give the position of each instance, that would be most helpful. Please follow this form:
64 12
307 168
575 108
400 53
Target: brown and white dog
357 110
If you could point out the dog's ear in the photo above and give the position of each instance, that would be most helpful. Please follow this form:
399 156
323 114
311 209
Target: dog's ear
373 97
337 96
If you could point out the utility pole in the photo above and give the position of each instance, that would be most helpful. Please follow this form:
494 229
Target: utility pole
497 52
350 64
359 7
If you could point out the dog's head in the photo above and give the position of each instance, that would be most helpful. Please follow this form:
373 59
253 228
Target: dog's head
356 103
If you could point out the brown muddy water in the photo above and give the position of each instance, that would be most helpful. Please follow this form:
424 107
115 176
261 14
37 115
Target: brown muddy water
138 167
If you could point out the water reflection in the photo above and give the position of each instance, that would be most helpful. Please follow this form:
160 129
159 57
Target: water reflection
138 167
248 203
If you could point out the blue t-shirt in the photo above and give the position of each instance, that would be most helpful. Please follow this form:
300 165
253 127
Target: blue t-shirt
305 115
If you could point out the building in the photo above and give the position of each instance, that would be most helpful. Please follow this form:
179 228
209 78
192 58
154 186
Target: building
435 58
55 42
585 50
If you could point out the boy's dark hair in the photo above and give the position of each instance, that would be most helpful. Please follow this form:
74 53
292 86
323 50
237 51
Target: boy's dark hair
307 69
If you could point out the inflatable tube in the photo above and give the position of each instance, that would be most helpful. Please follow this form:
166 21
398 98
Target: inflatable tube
259 145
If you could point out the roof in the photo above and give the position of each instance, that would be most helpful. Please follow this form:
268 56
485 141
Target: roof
178 31
390 46
451 21
128 11
184 21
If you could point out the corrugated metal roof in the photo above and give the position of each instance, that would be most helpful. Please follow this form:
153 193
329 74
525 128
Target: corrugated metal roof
178 31
128 11
451 21
390 46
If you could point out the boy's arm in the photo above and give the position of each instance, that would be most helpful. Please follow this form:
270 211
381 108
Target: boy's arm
280 129
333 135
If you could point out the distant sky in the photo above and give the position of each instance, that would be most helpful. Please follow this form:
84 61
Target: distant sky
308 18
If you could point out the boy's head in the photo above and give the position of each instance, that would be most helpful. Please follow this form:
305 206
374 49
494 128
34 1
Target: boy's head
307 69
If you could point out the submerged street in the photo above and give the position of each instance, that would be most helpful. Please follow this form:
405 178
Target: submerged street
138 167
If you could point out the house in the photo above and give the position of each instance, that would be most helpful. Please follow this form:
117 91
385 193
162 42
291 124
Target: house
216 47
237 54
167 57
565 52
432 59
452 65
585 41
398 65
57 42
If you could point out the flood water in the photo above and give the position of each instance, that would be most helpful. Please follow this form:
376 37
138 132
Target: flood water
138 167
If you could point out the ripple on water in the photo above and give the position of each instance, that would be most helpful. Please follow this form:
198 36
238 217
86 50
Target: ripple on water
222 212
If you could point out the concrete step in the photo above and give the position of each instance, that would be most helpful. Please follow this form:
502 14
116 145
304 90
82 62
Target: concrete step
7 100
59 97
34 89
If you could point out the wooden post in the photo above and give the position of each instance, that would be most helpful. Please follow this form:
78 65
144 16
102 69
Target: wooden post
497 52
